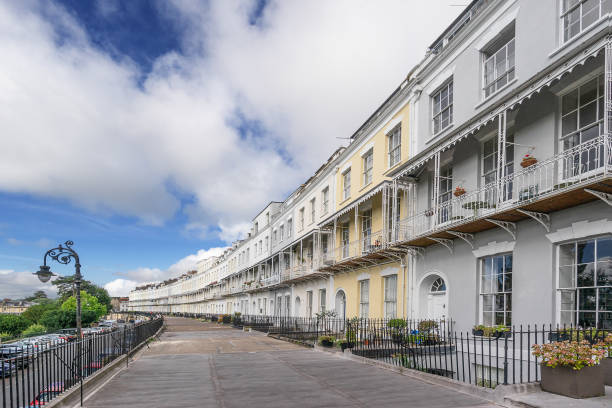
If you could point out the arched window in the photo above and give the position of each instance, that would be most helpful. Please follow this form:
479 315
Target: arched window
438 286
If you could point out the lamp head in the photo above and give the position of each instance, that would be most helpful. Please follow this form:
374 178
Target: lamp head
44 274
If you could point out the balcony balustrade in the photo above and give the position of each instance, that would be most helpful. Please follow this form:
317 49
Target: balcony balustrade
578 167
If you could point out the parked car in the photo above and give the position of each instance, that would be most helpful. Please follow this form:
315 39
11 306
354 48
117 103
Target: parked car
47 394
18 356
7 369
92 367
56 338
111 324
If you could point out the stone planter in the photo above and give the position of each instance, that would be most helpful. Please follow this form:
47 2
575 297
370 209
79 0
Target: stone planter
585 383
606 366
397 338
327 343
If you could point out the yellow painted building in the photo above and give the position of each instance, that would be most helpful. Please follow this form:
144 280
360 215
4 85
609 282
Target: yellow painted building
368 281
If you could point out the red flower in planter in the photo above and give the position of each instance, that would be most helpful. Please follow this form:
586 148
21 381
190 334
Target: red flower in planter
459 191
528 160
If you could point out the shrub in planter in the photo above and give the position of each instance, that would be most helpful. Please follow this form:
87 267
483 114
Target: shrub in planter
327 341
226 319
343 344
396 323
571 368
236 320
396 326
591 335
561 335
502 331
431 340
478 330
351 335
427 325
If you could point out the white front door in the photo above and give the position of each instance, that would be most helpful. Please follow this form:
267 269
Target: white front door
436 306
437 300
340 304
296 311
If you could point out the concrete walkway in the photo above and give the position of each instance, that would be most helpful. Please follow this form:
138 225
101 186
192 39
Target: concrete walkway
207 365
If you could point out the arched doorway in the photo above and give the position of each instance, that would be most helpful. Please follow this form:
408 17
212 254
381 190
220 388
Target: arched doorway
296 310
437 300
341 304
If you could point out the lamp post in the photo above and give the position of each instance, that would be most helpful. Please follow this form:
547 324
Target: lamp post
64 255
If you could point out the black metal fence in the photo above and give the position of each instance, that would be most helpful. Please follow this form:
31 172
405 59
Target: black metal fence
303 329
32 374
486 357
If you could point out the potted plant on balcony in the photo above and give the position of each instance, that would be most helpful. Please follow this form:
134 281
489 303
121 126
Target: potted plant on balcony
572 368
528 160
459 191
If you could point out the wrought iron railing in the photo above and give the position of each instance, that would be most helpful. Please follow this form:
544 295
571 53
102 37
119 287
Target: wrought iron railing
33 374
368 244
565 171
486 357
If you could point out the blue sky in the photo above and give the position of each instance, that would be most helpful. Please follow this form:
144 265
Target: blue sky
149 132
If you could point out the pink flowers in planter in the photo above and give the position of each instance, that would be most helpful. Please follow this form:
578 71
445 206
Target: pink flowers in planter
571 354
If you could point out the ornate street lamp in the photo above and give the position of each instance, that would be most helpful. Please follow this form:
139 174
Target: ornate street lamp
64 255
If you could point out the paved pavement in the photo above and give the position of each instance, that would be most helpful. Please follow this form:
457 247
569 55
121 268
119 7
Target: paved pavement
207 365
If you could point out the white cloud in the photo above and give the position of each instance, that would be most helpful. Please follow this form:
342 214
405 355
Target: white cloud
135 277
42 242
120 287
79 125
17 285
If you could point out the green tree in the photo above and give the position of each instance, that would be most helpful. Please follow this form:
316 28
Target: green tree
38 295
88 302
13 324
65 289
63 319
35 312
34 330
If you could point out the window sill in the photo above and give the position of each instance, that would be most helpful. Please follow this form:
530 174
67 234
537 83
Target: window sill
603 22
496 93
365 186
344 200
440 133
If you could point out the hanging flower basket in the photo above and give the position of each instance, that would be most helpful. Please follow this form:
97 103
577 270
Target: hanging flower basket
528 160
459 191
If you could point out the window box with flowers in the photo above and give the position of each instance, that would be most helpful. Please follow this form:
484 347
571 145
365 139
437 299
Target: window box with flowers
572 368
